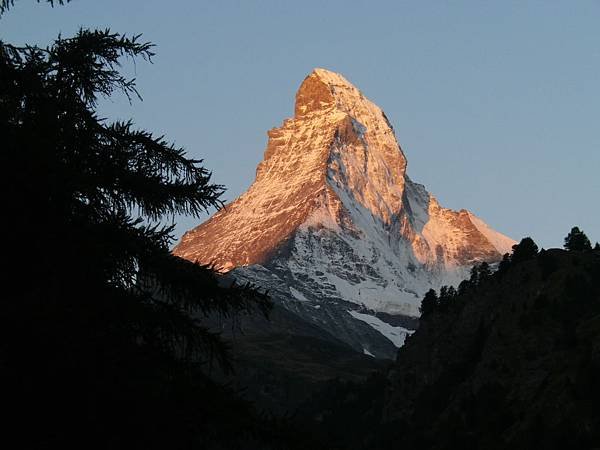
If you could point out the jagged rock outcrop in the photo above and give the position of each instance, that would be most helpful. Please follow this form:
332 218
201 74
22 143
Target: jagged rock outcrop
333 219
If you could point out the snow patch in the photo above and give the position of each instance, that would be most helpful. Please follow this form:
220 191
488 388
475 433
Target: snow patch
395 334
298 295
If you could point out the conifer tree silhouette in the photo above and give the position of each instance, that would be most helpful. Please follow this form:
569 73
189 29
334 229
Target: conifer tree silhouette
102 342
429 303
577 241
524 250
5 5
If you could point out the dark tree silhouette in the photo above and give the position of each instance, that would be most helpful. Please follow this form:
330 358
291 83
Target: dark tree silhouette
504 265
547 262
480 272
474 275
463 287
577 241
447 295
429 303
5 5
524 250
102 341
484 271
597 246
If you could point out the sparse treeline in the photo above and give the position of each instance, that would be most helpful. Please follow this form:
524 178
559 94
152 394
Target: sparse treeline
508 359
527 249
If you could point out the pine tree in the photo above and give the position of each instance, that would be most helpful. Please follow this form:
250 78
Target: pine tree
577 241
474 275
104 342
5 5
480 272
504 265
597 246
463 287
447 295
429 303
524 250
547 263
484 271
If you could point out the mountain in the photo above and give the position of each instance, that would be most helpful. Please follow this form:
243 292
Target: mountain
334 227
282 361
511 361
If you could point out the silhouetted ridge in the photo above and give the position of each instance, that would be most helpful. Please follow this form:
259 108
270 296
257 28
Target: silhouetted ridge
509 360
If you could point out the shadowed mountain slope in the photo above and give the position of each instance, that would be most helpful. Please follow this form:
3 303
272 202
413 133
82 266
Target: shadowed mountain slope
512 361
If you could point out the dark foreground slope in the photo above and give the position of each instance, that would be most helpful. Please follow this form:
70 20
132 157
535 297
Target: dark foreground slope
512 361
281 361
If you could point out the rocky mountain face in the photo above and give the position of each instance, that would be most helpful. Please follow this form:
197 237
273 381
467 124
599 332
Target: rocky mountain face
334 227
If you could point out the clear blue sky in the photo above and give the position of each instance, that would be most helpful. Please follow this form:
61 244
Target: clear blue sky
496 104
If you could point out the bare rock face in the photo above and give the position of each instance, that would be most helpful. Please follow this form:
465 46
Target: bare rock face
333 217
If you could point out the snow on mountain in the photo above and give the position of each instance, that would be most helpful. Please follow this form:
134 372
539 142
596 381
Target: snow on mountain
333 219
395 334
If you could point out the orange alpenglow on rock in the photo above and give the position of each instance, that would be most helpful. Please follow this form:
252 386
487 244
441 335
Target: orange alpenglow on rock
333 214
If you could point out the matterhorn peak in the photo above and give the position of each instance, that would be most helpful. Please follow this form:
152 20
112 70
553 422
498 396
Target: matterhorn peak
322 90
333 211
